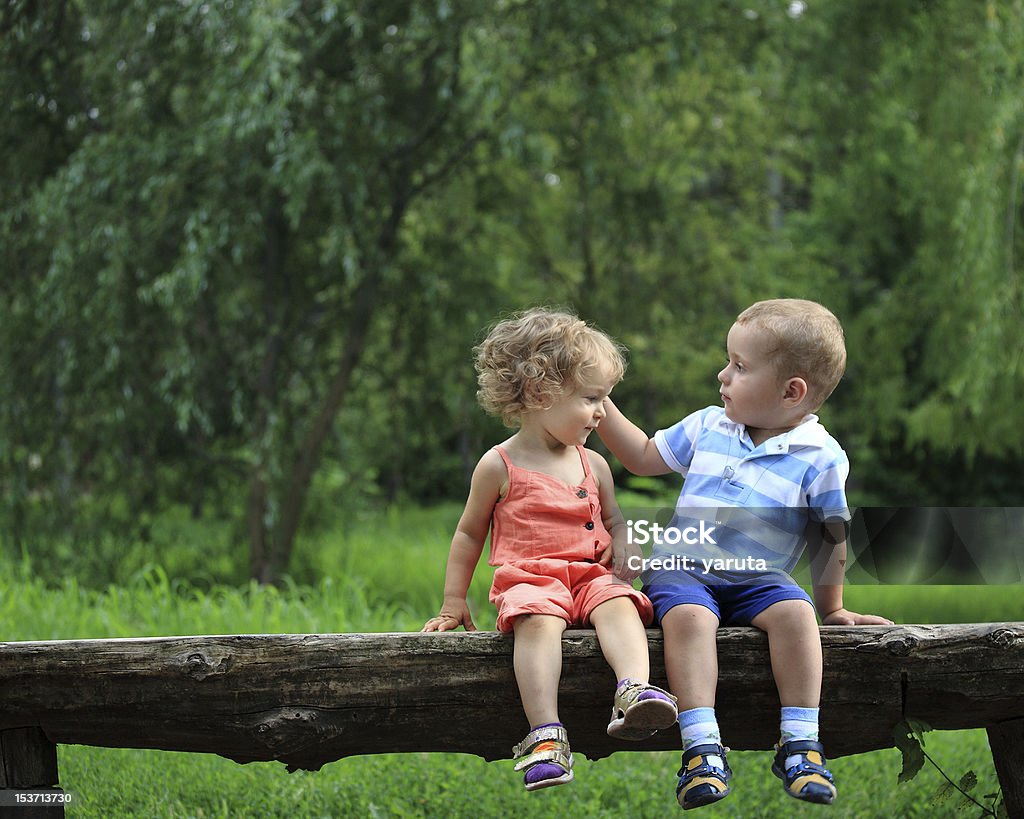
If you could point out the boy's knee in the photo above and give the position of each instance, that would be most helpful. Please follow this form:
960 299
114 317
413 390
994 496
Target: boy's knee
786 614
689 619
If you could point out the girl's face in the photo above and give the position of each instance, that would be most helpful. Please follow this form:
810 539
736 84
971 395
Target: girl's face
577 412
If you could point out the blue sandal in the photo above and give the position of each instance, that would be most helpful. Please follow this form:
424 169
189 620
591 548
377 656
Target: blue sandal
806 777
701 781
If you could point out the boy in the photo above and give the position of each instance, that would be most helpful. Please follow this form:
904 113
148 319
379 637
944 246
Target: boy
765 474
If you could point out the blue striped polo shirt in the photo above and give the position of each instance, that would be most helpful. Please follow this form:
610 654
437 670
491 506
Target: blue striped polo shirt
760 499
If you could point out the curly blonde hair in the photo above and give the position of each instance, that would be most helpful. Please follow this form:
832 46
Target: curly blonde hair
805 340
533 357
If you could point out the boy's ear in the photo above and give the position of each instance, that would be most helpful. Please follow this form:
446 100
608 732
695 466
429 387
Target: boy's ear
794 391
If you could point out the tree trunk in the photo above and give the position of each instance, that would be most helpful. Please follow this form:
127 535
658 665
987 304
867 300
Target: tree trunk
307 458
257 523
279 551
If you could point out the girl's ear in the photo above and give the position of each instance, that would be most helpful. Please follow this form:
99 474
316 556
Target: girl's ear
794 391
535 398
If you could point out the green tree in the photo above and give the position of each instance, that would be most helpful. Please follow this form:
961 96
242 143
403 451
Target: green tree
916 199
247 239
211 252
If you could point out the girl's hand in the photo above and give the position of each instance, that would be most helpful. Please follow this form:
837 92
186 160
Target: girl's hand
844 617
626 559
450 618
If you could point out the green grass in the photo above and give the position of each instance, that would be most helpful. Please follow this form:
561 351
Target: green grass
162 784
153 605
938 604
386 575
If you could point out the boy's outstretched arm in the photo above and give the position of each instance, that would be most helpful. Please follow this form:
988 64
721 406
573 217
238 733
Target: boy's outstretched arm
629 443
468 543
828 567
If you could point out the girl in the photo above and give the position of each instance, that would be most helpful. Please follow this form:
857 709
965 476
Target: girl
557 535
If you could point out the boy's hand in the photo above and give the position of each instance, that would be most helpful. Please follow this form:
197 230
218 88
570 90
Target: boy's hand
453 614
844 617
630 444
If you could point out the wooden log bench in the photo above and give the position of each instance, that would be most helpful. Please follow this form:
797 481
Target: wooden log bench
306 700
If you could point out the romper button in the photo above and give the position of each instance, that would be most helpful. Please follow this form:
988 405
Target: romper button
582 493
589 524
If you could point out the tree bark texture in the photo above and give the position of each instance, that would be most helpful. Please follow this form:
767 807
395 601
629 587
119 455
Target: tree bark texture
28 761
1007 742
310 699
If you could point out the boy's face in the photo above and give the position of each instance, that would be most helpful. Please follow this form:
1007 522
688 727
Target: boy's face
752 390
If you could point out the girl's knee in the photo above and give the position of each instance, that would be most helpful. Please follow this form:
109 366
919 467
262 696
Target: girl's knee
538 623
618 607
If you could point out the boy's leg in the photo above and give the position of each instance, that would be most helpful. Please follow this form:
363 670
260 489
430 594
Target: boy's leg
691 655
794 644
691 663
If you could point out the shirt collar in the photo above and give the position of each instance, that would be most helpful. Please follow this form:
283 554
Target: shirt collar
807 433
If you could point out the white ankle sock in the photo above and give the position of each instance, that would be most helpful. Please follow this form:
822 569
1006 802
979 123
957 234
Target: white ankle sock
699 726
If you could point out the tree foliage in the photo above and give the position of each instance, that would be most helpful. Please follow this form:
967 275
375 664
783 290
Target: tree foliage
249 245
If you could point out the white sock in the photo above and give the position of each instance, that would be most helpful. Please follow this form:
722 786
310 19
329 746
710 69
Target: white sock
699 726
798 723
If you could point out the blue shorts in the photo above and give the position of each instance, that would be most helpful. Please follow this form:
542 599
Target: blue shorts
732 604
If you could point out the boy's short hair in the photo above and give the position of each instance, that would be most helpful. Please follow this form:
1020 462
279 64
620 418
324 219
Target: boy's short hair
530 358
805 340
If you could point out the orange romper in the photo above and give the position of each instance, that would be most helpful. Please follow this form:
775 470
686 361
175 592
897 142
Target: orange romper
545 540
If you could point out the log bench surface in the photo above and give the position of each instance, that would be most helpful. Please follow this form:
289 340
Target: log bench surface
306 700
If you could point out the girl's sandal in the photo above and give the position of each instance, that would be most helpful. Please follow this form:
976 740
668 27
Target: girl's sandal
641 710
548 746
800 764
